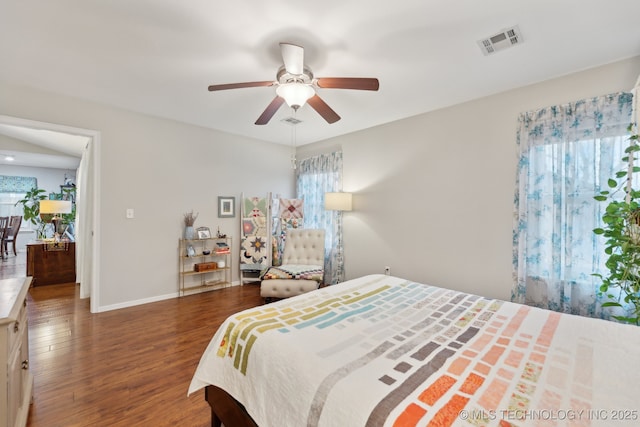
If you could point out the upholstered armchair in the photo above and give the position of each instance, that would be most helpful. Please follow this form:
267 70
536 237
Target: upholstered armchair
302 266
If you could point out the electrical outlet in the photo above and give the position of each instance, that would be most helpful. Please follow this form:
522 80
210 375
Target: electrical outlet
130 213
387 270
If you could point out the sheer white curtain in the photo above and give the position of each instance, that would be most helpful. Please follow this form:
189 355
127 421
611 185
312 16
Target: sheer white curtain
566 155
84 223
636 103
316 176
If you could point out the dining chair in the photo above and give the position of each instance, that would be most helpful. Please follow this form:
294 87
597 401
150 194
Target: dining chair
11 235
4 224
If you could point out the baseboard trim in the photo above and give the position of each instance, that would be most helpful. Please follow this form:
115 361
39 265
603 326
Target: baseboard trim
133 303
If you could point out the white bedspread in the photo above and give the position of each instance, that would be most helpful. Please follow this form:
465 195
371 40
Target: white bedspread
384 351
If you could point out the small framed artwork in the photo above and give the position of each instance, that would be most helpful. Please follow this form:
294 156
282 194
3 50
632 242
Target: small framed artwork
191 252
226 207
203 233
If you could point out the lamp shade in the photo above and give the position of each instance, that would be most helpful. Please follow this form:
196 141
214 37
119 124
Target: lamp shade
295 94
338 201
55 206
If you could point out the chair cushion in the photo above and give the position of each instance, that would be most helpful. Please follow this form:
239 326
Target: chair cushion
277 288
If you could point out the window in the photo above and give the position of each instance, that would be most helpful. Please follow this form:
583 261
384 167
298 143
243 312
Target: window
8 208
316 176
13 189
566 155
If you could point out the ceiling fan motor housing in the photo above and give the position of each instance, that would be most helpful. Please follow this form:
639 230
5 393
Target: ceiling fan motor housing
284 77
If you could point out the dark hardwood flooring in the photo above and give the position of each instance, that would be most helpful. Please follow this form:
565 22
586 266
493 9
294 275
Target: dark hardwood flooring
13 266
127 367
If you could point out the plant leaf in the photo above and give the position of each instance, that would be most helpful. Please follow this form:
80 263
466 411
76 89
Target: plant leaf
611 304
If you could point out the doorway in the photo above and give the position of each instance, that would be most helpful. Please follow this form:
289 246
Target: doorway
87 179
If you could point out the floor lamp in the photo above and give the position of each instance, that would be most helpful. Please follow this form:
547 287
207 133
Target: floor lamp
339 202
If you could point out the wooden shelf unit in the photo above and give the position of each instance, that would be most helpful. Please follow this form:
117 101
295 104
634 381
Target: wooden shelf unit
191 281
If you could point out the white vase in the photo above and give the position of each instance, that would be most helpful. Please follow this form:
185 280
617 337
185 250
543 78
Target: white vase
189 233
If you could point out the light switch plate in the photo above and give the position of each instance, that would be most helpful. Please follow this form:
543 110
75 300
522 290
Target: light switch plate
130 213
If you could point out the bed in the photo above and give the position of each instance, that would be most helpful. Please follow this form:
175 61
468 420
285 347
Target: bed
384 351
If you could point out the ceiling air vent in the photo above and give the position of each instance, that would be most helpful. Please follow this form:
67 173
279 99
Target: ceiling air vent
291 121
504 39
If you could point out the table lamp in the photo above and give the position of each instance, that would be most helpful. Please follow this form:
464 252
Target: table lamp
55 207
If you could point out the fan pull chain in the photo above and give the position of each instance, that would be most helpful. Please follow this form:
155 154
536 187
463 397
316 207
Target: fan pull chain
294 163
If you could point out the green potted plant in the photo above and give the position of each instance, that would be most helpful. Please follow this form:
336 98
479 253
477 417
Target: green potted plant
31 207
621 286
70 218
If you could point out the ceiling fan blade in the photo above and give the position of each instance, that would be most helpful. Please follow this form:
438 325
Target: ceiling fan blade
240 85
359 83
293 57
323 109
270 111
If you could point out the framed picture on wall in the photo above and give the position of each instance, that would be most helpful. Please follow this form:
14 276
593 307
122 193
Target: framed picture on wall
226 207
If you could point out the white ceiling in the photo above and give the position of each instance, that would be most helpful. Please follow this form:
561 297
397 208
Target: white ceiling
44 148
159 56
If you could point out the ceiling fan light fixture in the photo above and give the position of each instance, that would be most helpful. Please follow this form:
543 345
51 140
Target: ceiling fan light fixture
295 94
296 85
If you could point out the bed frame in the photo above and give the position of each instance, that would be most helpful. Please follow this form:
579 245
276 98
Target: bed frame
225 410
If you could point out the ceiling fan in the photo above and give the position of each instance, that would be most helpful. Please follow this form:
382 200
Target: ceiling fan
296 85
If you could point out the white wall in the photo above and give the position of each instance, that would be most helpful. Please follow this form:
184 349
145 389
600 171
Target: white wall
161 169
434 193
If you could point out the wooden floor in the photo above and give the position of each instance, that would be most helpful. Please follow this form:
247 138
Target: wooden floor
13 266
127 367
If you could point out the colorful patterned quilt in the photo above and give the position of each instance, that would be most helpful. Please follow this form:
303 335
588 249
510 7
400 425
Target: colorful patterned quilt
294 271
255 206
384 351
291 208
253 252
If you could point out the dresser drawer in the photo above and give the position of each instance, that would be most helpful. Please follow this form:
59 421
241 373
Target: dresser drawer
16 328
16 381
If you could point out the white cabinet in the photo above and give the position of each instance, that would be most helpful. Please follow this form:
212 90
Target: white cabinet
205 264
16 384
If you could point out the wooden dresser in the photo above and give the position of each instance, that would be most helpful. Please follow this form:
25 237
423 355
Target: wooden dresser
16 380
51 263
